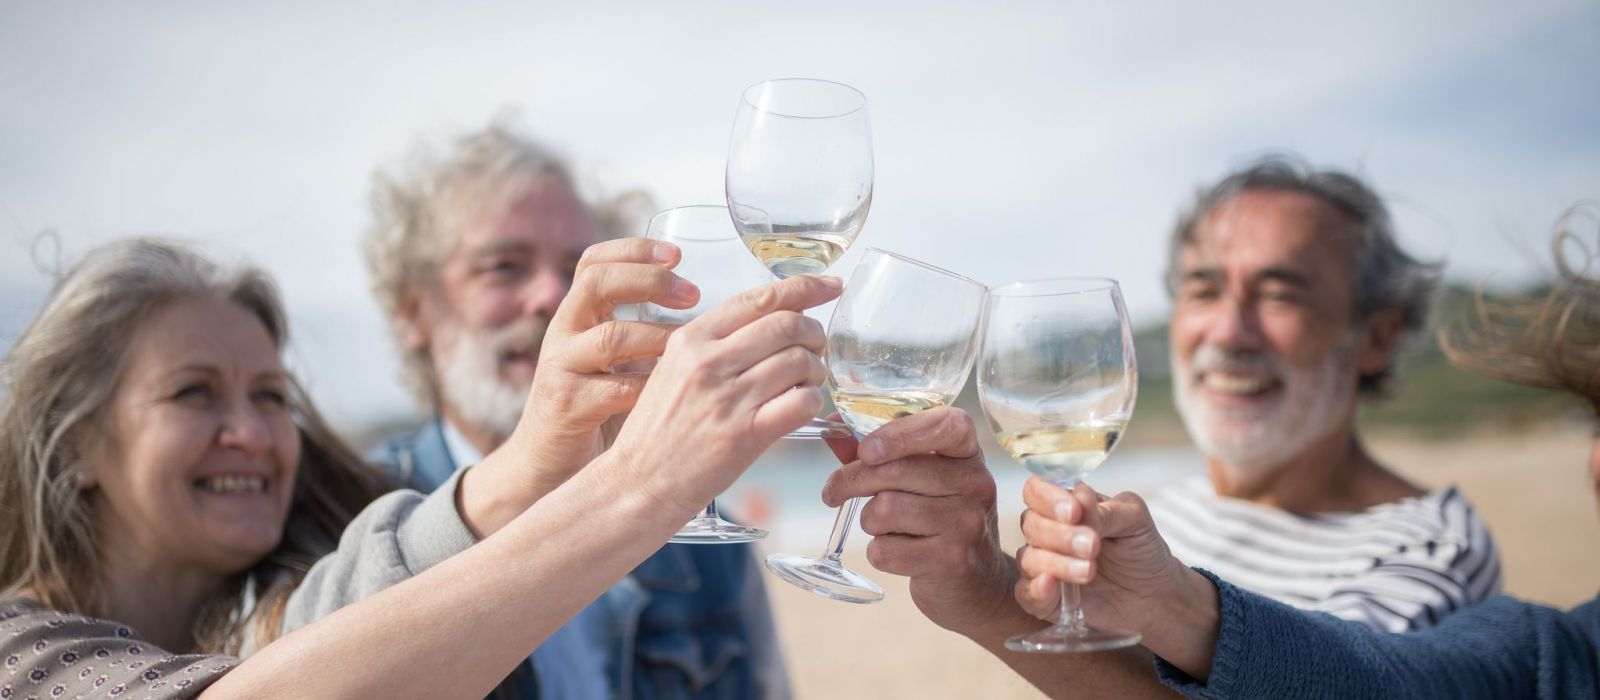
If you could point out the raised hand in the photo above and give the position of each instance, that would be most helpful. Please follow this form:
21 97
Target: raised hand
932 514
1130 579
731 383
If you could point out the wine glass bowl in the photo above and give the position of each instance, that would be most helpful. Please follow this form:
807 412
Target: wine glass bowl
1057 378
801 153
902 340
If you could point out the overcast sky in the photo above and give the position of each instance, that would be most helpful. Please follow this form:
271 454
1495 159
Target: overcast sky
1013 140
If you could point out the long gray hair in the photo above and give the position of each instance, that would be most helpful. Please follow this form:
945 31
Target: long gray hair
61 375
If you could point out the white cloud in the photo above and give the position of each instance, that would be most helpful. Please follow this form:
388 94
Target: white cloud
1016 140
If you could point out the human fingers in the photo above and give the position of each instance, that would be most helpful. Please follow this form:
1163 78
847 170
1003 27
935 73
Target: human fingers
1038 596
613 343
1121 516
598 289
787 411
793 366
794 294
1049 500
1034 560
927 475
945 431
902 513
769 335
1059 537
631 249
843 446
915 557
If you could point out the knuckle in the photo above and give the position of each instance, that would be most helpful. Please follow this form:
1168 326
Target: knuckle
761 298
609 338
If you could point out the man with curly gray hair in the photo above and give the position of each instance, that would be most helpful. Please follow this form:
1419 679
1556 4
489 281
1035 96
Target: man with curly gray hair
470 252
1291 300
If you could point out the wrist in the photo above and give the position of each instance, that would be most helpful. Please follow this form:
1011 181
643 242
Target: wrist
1187 624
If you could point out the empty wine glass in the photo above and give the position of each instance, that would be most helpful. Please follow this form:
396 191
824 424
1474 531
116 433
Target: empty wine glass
1057 379
716 261
902 340
799 179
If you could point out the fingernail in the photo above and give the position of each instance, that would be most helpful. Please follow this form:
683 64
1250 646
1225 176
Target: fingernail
1082 544
834 283
684 290
1063 509
663 253
1078 568
870 451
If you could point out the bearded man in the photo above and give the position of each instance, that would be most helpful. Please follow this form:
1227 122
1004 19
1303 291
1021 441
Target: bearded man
471 252
1291 299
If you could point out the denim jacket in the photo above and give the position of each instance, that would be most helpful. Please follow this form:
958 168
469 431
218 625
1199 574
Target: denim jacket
692 621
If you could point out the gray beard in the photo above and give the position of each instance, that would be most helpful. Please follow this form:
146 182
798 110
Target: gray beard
1313 399
470 384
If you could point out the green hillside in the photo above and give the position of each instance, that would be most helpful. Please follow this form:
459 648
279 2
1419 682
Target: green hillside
1436 399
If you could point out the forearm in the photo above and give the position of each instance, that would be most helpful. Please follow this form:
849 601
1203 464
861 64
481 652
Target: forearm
457 629
512 478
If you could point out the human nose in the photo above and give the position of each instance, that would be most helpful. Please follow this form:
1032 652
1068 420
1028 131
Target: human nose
1236 325
544 292
244 428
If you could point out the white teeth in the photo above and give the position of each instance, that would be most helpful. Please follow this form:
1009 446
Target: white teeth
234 484
1235 384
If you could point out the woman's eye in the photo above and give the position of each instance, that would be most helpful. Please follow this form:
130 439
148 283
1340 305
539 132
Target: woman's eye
273 396
193 391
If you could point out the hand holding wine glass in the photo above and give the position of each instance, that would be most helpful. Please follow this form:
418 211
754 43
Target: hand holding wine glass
1057 379
902 340
712 257
799 180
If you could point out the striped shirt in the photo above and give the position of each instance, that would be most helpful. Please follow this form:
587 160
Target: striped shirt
1393 567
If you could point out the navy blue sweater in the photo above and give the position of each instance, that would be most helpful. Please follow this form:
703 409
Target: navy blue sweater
1500 648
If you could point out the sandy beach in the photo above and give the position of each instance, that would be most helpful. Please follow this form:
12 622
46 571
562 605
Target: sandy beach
1533 490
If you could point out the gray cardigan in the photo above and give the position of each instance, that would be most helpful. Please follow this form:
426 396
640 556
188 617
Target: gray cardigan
48 653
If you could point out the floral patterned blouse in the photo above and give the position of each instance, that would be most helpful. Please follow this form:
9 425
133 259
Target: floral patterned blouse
46 654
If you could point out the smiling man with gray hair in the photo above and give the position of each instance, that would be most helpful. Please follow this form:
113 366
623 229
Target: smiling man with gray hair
1291 301
471 251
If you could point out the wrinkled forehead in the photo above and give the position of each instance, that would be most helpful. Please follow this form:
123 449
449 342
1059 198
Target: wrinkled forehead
1257 230
542 213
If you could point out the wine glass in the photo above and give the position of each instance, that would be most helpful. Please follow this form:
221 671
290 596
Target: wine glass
717 262
902 339
799 179
1057 379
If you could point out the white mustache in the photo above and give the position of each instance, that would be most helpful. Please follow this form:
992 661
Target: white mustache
519 338
1214 358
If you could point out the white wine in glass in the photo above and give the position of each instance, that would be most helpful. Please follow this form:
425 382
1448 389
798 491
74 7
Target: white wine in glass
801 154
902 341
799 180
1057 378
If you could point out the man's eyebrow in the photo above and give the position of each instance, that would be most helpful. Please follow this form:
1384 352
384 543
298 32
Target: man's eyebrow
1202 274
1285 275
500 247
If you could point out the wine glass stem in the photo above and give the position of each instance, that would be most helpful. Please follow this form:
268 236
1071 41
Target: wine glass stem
1072 608
841 529
711 511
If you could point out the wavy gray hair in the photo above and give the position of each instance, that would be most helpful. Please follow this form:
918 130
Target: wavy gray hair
415 211
1386 276
61 376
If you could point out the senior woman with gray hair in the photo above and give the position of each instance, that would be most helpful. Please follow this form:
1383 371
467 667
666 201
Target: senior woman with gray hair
169 499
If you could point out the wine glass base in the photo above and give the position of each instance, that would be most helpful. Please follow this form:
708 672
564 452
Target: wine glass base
1059 639
716 531
825 578
819 428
